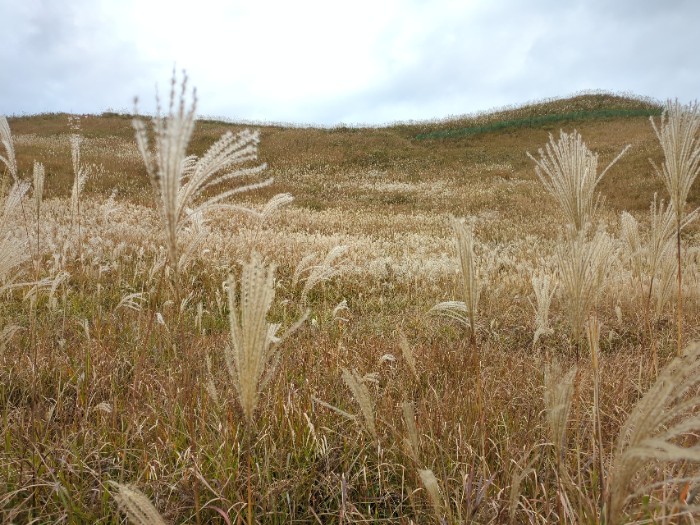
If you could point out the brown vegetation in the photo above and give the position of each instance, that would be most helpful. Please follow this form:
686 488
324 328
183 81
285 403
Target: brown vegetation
141 359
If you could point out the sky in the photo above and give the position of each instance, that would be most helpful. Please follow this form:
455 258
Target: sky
325 62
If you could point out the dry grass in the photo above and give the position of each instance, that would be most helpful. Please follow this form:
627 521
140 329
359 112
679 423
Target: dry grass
103 366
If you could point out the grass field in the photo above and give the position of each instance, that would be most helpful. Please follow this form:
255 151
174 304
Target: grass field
113 359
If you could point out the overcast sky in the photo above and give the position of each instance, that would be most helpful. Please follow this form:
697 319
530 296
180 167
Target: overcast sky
328 62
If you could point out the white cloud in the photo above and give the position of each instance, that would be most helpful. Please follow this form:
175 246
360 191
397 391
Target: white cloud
327 62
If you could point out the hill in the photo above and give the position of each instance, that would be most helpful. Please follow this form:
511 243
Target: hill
408 152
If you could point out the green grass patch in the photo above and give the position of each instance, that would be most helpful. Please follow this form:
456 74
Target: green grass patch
539 120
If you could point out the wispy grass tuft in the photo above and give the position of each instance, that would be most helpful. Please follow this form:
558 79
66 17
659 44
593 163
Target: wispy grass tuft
464 311
569 172
583 265
9 158
187 185
136 505
358 387
662 428
679 135
252 355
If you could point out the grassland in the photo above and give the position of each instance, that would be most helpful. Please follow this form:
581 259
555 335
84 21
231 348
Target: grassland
103 366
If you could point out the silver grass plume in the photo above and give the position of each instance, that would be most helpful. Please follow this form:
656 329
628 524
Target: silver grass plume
360 392
569 172
651 255
179 181
407 352
80 173
660 429
12 251
464 311
582 265
629 234
252 354
662 290
9 158
39 175
411 441
678 135
544 286
431 485
273 206
136 505
320 272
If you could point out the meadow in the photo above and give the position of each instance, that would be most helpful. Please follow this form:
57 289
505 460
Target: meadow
400 324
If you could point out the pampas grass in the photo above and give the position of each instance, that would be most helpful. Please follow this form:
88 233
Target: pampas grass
313 271
544 286
583 265
411 441
569 172
358 387
252 354
9 158
187 185
431 485
12 251
136 505
464 311
558 394
662 428
678 134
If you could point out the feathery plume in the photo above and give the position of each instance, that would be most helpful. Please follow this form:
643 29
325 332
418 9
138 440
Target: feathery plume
558 393
136 505
678 135
318 273
12 251
411 442
38 176
544 287
464 311
6 139
407 352
582 269
569 172
252 354
360 392
180 181
431 485
661 428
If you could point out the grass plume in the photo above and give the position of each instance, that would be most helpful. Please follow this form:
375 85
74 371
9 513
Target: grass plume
678 133
660 429
182 182
569 172
252 354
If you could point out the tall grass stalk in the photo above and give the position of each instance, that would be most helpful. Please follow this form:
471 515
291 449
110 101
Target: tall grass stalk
9 158
678 133
136 505
569 172
652 262
186 186
253 353
544 286
464 311
662 428
558 396
583 265
593 334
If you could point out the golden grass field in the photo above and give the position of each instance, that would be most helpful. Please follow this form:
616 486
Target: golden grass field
103 363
